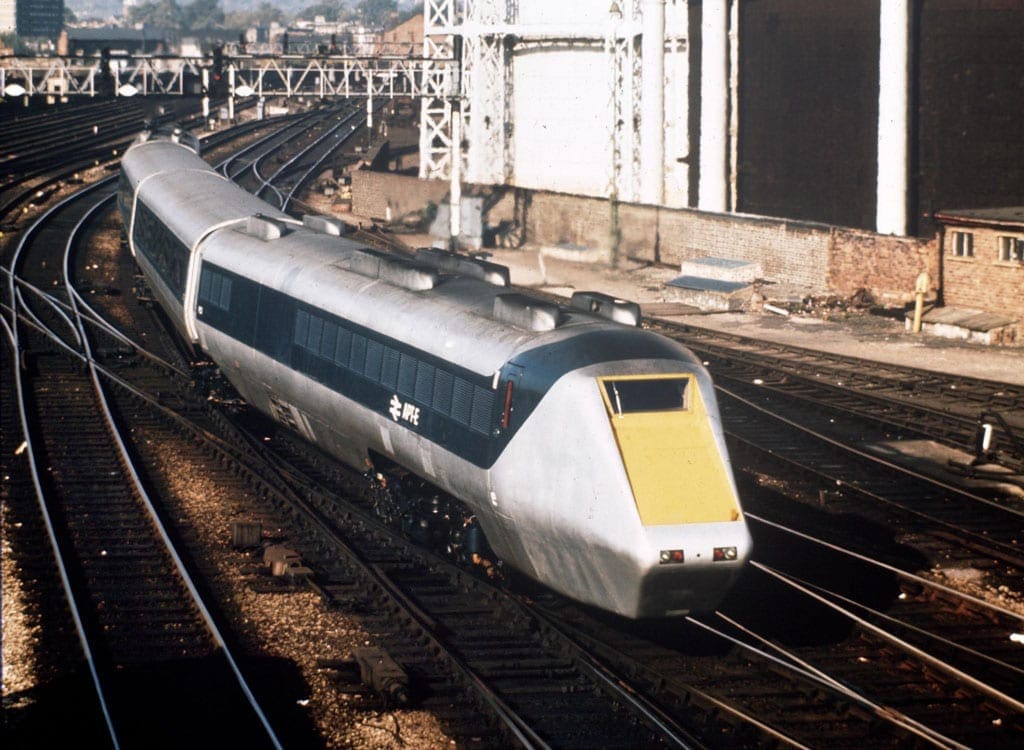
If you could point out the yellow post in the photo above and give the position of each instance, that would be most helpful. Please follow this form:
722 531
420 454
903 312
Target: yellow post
920 289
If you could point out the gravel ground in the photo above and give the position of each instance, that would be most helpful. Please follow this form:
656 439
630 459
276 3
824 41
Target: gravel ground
291 625
294 626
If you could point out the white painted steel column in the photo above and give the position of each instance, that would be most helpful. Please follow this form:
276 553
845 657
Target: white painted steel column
231 93
713 187
893 116
206 93
369 114
652 102
455 186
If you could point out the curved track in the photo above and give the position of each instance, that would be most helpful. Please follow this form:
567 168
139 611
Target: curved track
827 642
147 636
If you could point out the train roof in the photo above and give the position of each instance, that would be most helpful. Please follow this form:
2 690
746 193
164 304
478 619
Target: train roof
454 319
468 321
189 195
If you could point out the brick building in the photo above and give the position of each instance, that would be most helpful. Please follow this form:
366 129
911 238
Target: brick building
405 40
983 259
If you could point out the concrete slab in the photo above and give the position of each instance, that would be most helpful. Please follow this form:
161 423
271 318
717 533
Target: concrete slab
699 283
711 294
969 324
722 269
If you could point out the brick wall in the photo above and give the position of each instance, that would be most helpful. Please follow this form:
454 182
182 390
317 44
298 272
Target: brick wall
818 257
983 281
887 266
374 192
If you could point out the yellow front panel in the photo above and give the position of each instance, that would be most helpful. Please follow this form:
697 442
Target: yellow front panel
672 461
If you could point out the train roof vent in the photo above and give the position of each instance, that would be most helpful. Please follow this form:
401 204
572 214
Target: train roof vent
264 228
612 308
525 312
398 271
323 225
475 268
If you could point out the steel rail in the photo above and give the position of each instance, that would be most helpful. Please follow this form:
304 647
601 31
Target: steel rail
59 555
140 488
268 182
794 664
906 575
342 141
896 622
869 456
933 661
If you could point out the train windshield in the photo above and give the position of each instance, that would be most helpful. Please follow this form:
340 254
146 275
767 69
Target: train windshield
646 394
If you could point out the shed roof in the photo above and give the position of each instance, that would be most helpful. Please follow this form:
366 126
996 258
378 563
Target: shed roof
1009 216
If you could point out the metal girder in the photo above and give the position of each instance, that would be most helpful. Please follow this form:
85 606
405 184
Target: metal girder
623 47
479 93
331 76
439 17
485 109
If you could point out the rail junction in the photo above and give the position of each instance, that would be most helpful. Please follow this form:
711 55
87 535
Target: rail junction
839 635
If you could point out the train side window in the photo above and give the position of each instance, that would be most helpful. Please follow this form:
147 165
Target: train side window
357 358
215 289
329 340
343 348
389 369
204 284
225 294
301 327
316 329
374 357
406 375
635 395
442 397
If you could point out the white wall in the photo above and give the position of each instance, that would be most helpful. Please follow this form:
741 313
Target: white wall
562 115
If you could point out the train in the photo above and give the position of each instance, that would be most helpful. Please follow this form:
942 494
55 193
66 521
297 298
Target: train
590 451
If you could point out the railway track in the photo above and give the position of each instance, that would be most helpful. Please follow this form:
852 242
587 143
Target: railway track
148 639
499 673
944 407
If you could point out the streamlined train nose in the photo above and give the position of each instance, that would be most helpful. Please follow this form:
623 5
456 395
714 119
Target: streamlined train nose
665 439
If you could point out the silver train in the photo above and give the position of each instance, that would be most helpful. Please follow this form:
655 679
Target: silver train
590 451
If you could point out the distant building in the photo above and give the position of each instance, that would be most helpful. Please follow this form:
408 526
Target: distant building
7 20
983 259
34 18
405 40
88 42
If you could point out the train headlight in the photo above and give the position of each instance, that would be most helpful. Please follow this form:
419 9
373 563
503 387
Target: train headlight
723 554
671 556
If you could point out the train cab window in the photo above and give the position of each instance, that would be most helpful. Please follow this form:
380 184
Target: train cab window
632 395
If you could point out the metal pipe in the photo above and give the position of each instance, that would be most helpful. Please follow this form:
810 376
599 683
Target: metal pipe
206 94
920 289
712 189
231 93
893 117
455 224
652 102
